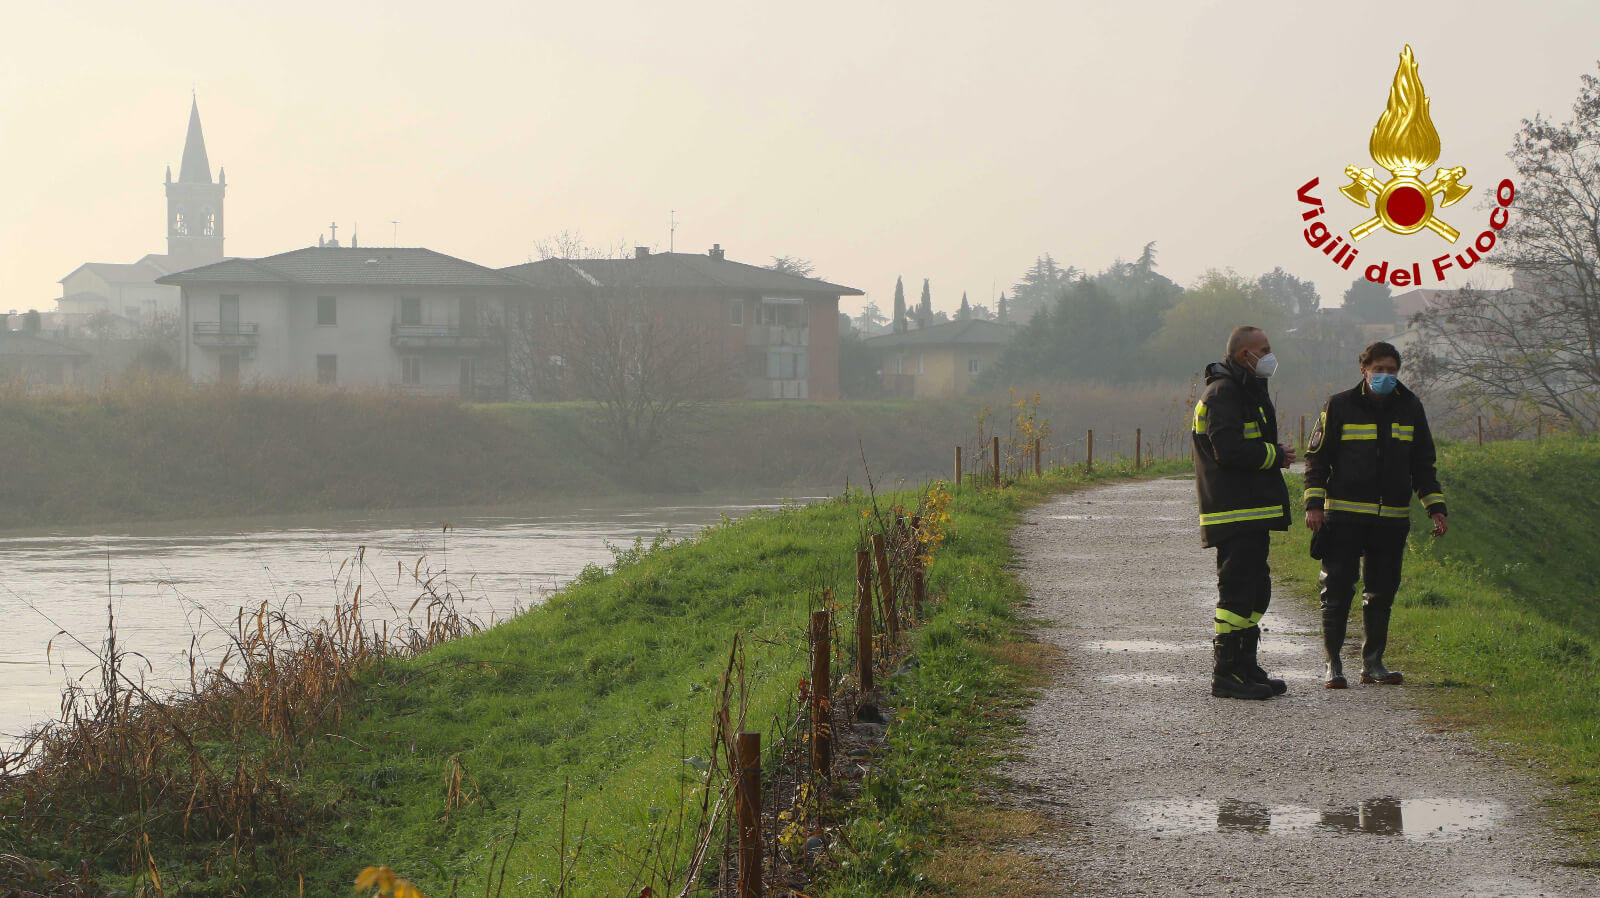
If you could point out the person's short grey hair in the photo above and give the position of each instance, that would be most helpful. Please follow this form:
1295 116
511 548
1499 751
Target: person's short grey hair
1236 340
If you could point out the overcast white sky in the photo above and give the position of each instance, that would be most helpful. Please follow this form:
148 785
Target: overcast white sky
952 141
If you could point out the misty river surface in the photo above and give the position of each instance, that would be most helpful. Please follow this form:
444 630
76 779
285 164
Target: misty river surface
174 585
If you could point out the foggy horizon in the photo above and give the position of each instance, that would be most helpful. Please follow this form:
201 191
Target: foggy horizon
877 143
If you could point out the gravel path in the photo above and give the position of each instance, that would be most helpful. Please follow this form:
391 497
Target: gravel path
1156 788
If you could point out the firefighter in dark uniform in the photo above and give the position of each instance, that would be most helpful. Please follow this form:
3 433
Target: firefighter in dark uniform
1369 452
1238 466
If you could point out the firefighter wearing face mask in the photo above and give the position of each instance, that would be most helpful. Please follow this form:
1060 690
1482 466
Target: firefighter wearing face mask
1370 451
1238 466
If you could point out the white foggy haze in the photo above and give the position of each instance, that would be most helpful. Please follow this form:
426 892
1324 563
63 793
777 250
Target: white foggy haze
939 140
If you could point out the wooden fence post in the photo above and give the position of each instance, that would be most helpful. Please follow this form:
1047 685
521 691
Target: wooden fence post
916 568
1036 463
996 461
864 623
1088 458
891 617
749 802
1138 448
821 689
1480 430
958 466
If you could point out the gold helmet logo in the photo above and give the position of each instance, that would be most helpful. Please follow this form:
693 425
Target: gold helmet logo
1404 142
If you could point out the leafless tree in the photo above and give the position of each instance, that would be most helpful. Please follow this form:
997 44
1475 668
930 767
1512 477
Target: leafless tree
1536 347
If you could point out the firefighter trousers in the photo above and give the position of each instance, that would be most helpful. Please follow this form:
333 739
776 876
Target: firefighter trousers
1372 552
1244 581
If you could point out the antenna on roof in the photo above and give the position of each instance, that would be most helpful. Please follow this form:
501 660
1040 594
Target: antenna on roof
672 230
396 223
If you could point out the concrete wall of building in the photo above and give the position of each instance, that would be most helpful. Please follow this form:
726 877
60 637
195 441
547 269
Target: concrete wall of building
823 382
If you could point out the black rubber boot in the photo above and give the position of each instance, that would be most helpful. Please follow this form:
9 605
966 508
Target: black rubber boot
1375 618
1225 679
1249 668
1334 622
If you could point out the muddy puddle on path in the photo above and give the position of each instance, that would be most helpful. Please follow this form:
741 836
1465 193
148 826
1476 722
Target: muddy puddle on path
1412 819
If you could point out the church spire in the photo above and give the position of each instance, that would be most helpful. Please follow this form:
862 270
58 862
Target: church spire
196 169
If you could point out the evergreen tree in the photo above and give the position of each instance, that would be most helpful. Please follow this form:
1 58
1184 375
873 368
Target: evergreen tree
1040 285
964 313
1294 296
1002 312
899 306
925 306
1370 303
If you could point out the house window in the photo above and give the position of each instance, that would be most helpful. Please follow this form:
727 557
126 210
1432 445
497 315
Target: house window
972 366
327 370
228 367
736 313
411 370
327 311
898 367
919 363
410 310
468 315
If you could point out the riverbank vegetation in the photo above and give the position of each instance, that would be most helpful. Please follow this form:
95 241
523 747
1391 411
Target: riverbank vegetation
1496 623
560 752
164 450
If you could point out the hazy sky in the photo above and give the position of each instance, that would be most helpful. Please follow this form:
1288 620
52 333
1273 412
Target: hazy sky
952 141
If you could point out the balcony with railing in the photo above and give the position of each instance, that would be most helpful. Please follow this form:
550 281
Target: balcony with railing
226 334
777 335
437 336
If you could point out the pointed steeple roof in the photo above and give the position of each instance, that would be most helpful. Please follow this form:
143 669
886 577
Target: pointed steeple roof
196 168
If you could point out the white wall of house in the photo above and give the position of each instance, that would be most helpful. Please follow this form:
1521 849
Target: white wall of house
289 339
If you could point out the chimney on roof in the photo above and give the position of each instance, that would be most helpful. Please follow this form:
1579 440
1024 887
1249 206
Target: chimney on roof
716 251
641 252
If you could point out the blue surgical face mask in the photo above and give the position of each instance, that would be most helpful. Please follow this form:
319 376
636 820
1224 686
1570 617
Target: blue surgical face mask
1383 384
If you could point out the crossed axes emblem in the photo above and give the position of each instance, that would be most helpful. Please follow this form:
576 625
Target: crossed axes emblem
1408 192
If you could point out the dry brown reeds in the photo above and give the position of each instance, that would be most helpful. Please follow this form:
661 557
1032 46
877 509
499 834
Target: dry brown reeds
203 773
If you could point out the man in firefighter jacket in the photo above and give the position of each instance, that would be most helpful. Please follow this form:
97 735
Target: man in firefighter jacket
1238 466
1369 452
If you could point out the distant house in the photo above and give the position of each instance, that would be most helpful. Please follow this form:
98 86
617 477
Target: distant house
775 335
406 318
941 361
30 360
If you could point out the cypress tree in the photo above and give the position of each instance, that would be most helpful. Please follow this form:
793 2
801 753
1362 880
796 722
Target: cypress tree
964 313
899 306
925 306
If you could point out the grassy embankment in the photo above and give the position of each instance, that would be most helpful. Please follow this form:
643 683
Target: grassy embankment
1497 622
574 717
164 451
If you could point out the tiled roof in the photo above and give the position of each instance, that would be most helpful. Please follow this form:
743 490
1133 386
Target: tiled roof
347 267
673 271
121 273
954 333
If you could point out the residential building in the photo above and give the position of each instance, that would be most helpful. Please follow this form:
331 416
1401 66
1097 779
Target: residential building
941 361
32 361
194 229
406 318
761 333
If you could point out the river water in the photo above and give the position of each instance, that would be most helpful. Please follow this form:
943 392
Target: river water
176 588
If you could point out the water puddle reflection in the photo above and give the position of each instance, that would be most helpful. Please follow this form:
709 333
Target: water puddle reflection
1413 819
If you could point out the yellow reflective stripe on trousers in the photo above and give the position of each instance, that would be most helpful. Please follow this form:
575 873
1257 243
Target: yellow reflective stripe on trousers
1227 621
1272 458
1432 499
1358 432
1403 432
1200 417
1240 514
1316 492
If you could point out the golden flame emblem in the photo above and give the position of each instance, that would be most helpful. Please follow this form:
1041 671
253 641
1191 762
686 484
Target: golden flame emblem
1405 142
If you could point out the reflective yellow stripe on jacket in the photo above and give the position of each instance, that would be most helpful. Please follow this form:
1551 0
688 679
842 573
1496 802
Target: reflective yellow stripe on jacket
1372 508
1316 492
1252 430
1403 432
1240 514
1358 431
1432 499
1200 417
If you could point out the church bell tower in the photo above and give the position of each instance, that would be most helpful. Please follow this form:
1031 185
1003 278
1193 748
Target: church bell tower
194 203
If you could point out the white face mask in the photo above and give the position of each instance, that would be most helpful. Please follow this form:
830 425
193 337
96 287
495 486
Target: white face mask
1266 365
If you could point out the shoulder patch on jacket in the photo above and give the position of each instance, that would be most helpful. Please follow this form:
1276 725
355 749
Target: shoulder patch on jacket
1317 432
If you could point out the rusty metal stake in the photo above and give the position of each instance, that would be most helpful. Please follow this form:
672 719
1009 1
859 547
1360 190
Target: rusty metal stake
996 461
821 690
958 466
1138 448
1088 460
1036 463
749 803
864 623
